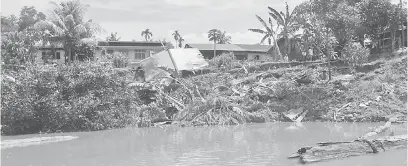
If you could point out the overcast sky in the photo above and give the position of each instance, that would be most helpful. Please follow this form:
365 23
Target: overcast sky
193 18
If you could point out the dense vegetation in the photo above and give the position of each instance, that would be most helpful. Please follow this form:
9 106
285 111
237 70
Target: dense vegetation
327 26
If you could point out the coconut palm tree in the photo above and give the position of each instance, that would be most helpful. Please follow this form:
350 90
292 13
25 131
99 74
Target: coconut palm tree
176 36
288 24
213 35
224 38
180 40
147 34
268 34
66 25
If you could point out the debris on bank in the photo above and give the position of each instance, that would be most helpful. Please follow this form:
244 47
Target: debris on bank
286 94
34 141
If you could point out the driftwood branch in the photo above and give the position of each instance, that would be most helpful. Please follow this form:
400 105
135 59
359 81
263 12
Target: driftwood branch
337 150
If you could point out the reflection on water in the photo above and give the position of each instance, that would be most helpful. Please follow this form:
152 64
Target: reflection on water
250 144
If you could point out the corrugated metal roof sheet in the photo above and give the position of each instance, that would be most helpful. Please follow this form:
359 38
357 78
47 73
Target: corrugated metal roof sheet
129 43
255 47
185 59
222 47
233 47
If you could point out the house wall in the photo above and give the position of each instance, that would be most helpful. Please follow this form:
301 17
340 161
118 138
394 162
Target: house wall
61 59
240 55
209 54
262 56
130 51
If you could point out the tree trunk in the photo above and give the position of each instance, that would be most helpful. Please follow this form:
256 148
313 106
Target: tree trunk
215 49
403 40
402 27
277 48
369 143
306 49
176 43
288 46
328 61
403 37
399 43
70 55
392 40
338 150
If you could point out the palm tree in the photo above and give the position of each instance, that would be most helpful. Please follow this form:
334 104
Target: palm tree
288 23
180 40
176 36
147 34
213 35
66 25
224 38
268 32
113 37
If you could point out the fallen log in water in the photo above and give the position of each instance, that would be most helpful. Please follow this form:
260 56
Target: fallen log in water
337 150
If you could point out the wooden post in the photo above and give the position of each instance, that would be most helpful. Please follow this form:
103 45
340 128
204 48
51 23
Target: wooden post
171 57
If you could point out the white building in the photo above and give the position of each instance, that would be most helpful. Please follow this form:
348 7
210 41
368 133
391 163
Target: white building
134 50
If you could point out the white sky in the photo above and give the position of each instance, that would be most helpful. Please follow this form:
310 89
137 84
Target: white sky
193 18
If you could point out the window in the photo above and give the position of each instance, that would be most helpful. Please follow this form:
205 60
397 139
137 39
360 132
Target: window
140 54
124 52
256 57
241 57
109 51
58 55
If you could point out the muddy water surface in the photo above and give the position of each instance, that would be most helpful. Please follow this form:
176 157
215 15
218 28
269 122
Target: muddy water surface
250 144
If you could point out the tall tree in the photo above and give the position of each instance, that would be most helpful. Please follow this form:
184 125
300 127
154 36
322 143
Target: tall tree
28 17
66 25
340 16
180 40
213 35
9 24
224 38
268 34
397 18
113 37
147 34
375 18
288 24
176 36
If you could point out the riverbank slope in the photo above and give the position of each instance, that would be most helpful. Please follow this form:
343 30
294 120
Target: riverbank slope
90 96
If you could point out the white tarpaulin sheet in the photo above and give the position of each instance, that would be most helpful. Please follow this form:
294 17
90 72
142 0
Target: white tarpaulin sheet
185 59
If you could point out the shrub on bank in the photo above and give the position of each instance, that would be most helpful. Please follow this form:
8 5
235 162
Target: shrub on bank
355 54
80 97
120 60
225 60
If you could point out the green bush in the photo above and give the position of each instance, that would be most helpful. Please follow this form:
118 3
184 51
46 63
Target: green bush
355 54
120 60
224 60
82 97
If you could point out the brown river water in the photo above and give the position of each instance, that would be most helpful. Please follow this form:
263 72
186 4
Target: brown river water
249 144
